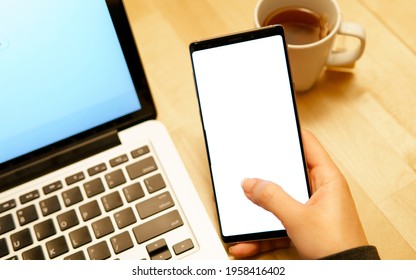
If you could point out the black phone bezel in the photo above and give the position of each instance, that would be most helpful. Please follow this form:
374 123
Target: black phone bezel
239 38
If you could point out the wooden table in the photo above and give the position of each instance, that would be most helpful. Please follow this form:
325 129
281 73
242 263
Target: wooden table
366 118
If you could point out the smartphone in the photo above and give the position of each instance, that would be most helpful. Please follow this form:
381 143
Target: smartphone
251 128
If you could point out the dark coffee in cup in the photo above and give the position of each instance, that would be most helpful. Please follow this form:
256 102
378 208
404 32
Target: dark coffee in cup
302 26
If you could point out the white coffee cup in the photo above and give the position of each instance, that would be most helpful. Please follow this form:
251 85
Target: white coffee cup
308 60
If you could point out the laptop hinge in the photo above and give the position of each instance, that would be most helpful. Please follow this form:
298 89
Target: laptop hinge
57 160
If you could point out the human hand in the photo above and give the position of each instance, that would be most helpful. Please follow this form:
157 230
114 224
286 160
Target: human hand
328 223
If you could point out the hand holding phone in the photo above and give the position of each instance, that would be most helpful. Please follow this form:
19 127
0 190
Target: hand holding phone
251 129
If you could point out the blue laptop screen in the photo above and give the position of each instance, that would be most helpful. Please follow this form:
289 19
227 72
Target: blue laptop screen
62 72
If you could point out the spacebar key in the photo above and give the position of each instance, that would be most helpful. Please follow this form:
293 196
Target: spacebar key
157 226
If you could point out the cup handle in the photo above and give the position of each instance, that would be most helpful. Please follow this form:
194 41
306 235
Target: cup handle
347 58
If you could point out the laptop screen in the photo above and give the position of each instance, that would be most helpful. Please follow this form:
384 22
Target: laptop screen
62 72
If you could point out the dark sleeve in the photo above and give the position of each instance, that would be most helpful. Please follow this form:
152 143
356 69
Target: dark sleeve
359 253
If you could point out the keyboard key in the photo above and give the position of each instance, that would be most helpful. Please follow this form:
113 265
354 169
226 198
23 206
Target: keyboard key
133 192
157 226
29 196
102 227
140 151
99 251
97 169
154 183
154 205
35 253
76 256
72 196
158 245
111 201
125 218
94 187
75 178
57 247
7 205
115 178
67 220
80 237
121 242
21 239
158 250
27 215
44 229
50 205
90 210
162 255
6 224
4 250
183 246
118 160
52 187
141 168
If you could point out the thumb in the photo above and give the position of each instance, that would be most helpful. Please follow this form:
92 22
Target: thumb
271 197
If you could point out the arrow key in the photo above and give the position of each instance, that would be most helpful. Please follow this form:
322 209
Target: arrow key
159 245
183 246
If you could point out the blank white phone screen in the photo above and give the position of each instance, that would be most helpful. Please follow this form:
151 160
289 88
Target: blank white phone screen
250 126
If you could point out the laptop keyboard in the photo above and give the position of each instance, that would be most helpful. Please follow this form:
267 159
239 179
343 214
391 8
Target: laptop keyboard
98 213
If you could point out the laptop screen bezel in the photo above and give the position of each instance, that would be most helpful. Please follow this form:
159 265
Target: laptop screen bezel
146 112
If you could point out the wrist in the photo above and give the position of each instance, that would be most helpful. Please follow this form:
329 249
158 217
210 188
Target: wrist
366 252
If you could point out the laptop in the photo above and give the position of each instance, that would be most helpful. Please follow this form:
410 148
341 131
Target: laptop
86 172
